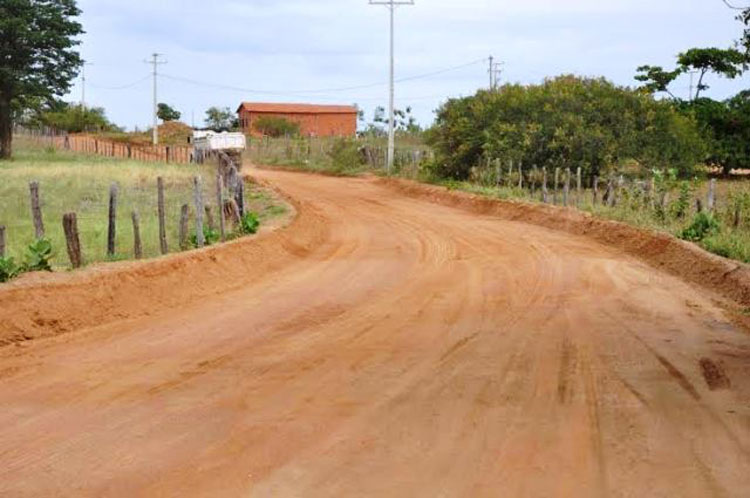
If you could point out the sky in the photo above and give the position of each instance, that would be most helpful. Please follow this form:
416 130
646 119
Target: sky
223 52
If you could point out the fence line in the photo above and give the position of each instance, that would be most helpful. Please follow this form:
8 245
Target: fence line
87 144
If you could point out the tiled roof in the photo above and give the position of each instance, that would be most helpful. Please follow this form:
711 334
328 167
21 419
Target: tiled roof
297 108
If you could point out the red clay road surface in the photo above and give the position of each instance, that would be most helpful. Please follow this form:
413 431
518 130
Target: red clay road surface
415 350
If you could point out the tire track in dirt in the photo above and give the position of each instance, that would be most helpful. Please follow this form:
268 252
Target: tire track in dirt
385 346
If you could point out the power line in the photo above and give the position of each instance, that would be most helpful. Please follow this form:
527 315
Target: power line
303 93
123 87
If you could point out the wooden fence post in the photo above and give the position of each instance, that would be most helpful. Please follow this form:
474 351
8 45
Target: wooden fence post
532 180
2 241
198 198
554 186
167 152
72 240
130 151
520 175
184 220
112 229
611 192
566 187
737 209
595 188
241 196
711 204
545 194
498 173
162 216
210 217
220 205
36 210
137 246
578 187
510 173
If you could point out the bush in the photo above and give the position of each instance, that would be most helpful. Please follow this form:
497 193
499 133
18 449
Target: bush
38 256
8 269
564 122
345 155
276 127
249 223
703 225
210 237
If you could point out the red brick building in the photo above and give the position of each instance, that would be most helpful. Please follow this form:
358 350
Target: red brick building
314 120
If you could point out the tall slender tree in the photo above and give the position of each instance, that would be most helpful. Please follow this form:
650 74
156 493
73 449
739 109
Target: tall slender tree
38 59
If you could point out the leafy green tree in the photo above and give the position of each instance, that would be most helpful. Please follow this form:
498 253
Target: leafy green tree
656 79
37 57
565 122
728 63
72 118
167 113
221 119
744 17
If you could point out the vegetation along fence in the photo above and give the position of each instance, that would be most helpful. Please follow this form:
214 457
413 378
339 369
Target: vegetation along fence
89 144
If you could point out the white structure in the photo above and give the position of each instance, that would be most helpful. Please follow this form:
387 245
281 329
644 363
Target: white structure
210 141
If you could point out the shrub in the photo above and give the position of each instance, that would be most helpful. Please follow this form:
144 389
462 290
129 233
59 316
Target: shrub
276 127
345 155
249 223
210 237
8 269
564 122
38 256
703 225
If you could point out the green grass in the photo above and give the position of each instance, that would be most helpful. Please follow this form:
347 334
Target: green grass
80 183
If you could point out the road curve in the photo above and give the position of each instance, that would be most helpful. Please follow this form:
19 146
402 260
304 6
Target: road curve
415 350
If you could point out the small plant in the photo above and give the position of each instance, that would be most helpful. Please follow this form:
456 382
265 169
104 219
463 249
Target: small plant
8 269
249 223
210 237
703 225
682 204
38 256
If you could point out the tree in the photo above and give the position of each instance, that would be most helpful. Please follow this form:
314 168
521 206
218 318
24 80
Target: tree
221 119
656 79
744 17
273 126
37 57
565 122
167 113
728 63
72 118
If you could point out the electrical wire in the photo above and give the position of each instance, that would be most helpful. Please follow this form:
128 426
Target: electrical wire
123 87
302 93
734 7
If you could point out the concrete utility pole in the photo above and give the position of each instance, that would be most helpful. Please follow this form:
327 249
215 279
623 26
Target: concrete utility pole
690 97
392 5
495 72
156 63
83 83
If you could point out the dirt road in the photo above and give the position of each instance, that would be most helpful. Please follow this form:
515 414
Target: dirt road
413 350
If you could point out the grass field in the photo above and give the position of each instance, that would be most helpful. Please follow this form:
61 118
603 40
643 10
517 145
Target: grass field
80 183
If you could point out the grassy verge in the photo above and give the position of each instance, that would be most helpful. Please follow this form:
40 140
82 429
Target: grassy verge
724 238
80 183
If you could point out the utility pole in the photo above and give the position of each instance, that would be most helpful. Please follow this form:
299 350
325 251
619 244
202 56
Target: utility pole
392 5
492 74
495 72
156 63
693 72
83 84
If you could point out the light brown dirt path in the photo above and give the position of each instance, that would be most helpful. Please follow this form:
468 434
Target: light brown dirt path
416 350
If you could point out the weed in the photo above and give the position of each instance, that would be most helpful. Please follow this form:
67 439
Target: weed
8 269
38 255
249 223
703 225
